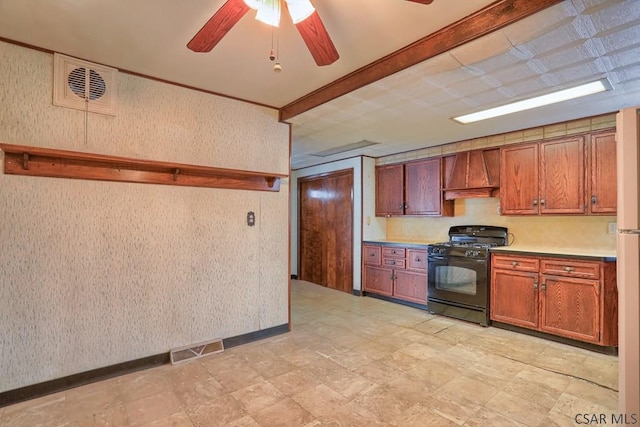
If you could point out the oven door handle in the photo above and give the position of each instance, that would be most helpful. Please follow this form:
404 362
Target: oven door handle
464 259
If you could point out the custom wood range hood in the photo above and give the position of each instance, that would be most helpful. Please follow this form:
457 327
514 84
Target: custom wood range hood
472 174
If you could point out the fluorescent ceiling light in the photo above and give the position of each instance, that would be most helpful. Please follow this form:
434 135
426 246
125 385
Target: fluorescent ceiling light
526 104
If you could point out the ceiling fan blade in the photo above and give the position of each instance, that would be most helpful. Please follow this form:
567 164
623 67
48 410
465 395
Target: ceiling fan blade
317 40
422 1
218 25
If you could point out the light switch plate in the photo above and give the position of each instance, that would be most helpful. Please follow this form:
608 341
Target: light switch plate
613 227
251 219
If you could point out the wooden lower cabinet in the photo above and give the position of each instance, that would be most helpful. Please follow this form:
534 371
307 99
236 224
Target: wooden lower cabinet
395 271
571 298
378 280
571 308
514 298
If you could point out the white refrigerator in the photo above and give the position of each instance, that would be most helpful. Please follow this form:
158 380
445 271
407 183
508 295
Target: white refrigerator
628 258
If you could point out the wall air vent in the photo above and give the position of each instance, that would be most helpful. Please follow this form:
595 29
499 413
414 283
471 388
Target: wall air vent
196 351
84 86
344 148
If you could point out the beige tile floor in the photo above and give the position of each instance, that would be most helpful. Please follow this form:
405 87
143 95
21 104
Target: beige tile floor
351 361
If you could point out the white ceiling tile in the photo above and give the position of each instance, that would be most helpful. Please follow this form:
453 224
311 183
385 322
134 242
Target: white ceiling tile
621 38
491 45
553 39
527 29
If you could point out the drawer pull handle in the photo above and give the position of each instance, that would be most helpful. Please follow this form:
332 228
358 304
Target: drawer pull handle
542 201
372 254
567 268
515 263
418 260
535 202
594 200
535 286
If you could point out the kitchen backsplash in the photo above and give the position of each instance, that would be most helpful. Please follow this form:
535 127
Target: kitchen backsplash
587 232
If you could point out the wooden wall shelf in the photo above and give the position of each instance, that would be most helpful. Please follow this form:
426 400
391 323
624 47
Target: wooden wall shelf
34 161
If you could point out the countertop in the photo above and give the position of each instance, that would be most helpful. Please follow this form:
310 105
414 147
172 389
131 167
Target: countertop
600 254
402 242
607 255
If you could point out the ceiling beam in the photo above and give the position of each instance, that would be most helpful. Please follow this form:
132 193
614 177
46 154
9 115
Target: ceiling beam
493 17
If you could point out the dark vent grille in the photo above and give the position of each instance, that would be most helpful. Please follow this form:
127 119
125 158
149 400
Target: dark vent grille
77 83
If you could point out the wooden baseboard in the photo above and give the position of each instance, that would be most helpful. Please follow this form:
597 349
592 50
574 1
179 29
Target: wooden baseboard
65 383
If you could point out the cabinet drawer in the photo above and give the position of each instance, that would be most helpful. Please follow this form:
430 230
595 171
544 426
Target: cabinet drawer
393 262
372 255
515 263
417 259
570 268
392 252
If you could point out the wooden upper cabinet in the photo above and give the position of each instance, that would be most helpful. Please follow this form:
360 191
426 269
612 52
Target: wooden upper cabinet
413 188
544 178
519 178
603 195
562 176
390 190
422 187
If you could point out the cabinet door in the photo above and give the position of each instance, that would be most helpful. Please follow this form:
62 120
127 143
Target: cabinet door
410 286
562 174
389 190
519 180
570 307
378 280
514 298
423 195
603 198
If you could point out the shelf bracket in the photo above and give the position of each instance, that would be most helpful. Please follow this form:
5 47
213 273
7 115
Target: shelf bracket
25 161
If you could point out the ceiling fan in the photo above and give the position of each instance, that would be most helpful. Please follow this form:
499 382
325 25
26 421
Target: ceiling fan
303 15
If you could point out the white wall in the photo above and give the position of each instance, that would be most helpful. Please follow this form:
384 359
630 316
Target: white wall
99 273
362 206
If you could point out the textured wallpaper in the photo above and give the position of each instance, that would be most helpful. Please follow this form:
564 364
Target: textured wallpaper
97 273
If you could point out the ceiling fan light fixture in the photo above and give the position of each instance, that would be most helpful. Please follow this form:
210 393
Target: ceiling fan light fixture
269 12
300 10
254 4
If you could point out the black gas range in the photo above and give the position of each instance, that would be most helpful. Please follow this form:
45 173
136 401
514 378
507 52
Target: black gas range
458 272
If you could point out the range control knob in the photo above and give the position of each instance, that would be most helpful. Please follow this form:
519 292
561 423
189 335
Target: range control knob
474 254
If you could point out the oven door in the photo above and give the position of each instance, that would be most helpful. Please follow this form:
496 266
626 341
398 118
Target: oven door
458 280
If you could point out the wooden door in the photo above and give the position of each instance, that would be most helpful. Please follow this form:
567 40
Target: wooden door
603 197
423 184
338 231
562 176
570 307
514 298
326 230
390 190
519 180
313 262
